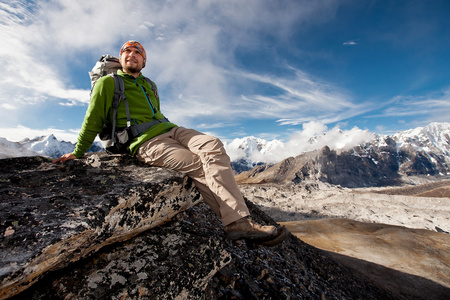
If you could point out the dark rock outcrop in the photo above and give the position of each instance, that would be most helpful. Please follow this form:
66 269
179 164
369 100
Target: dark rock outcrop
52 216
129 231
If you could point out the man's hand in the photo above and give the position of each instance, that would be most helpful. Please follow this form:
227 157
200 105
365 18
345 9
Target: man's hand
65 157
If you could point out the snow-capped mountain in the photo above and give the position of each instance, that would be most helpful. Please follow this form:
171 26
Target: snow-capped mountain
423 150
11 149
247 152
382 161
250 151
434 138
47 146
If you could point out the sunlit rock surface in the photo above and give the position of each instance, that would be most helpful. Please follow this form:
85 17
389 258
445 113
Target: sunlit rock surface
55 215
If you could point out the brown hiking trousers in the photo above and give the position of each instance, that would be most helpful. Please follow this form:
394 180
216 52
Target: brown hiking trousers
202 158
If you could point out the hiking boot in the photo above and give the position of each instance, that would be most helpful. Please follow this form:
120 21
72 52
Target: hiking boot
245 229
281 235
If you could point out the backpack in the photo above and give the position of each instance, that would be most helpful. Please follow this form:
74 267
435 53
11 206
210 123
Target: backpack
116 140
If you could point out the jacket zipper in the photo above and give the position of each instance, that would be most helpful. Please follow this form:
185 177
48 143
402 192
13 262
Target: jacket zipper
146 97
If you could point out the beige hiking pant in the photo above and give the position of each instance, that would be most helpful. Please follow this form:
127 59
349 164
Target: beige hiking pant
202 158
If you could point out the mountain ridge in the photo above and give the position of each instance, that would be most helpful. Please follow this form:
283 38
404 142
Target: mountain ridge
334 158
431 138
46 146
383 161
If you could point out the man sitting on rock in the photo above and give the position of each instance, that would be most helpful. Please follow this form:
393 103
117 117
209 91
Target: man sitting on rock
201 157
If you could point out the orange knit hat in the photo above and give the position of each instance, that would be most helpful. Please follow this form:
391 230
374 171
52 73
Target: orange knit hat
136 45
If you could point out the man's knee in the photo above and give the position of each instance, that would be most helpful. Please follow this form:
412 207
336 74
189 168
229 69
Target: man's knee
212 143
214 151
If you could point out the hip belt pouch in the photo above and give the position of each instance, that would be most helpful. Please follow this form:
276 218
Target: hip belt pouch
116 144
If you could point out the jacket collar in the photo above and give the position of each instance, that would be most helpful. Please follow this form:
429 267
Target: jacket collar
121 73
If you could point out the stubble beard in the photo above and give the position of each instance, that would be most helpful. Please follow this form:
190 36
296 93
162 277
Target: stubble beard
132 69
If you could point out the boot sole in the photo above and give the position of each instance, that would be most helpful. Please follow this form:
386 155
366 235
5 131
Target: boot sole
239 235
259 239
279 238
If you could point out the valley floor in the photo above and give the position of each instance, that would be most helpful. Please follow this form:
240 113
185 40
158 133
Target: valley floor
396 236
423 206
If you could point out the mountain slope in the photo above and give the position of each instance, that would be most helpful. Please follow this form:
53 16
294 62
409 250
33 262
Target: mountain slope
383 161
10 149
47 146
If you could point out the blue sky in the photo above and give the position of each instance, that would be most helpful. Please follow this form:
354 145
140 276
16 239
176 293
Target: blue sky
271 69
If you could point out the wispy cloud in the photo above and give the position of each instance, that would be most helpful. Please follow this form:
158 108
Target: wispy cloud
191 46
43 40
351 43
7 106
300 98
296 98
436 105
18 133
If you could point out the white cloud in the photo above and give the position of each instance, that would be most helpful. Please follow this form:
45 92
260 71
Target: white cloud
7 106
350 43
32 69
19 133
316 135
190 44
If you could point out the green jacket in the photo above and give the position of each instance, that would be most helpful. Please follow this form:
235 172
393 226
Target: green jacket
142 109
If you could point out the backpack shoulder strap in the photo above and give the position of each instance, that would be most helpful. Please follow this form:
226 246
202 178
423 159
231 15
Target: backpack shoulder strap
119 90
153 85
119 95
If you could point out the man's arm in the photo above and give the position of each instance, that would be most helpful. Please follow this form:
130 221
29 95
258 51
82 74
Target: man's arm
96 116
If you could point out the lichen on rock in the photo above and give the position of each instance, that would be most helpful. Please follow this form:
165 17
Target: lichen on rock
53 215
123 230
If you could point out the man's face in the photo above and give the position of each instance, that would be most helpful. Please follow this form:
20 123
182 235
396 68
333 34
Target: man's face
132 60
